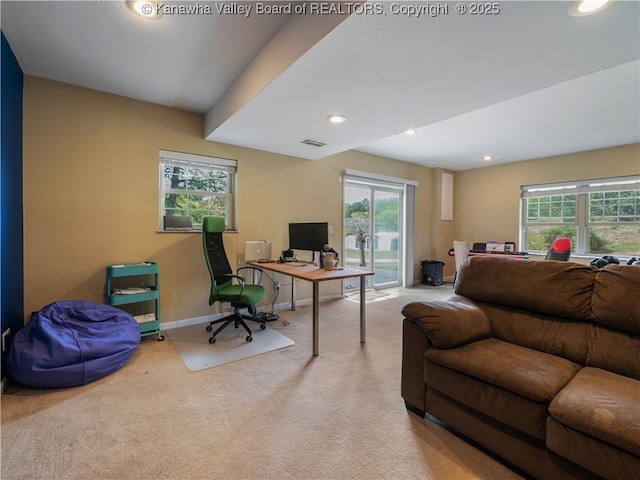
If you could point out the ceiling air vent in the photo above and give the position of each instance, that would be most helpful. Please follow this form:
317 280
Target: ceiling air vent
313 143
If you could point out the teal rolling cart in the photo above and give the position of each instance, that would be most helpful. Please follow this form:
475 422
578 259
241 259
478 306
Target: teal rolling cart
141 299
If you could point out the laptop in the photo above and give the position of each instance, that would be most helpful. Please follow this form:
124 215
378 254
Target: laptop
257 250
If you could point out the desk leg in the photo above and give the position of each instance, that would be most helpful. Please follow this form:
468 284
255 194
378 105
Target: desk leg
362 310
316 288
293 293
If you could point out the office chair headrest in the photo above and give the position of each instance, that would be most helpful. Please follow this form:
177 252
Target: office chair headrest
212 224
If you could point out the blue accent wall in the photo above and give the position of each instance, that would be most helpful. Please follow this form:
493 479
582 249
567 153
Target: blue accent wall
11 204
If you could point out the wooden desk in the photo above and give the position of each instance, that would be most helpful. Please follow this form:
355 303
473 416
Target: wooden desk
311 273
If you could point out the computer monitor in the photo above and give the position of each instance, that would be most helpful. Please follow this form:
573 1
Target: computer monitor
309 236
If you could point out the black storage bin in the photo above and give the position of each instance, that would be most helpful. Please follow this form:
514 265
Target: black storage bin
432 272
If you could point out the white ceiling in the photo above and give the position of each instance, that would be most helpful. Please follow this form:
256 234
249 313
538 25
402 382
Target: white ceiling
529 82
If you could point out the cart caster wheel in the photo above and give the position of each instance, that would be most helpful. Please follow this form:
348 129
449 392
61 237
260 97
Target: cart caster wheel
262 326
160 338
249 338
209 328
212 340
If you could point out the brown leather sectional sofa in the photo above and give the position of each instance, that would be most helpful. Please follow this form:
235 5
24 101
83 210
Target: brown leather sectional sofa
537 361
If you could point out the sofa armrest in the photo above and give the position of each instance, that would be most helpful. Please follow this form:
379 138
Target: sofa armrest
412 387
449 324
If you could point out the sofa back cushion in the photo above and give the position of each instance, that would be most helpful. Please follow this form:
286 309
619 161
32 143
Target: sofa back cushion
615 351
615 339
557 336
616 298
588 315
560 289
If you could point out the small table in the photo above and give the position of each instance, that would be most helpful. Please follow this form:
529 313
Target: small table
485 253
315 275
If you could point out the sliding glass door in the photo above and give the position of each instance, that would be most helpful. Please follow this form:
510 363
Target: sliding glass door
373 230
386 253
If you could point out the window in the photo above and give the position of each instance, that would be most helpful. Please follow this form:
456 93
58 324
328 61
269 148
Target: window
195 186
602 217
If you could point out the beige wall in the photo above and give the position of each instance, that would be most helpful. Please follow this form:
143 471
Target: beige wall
487 205
91 197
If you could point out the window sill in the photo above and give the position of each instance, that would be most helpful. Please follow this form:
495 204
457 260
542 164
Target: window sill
191 230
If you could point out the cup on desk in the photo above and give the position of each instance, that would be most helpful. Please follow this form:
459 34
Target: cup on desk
329 261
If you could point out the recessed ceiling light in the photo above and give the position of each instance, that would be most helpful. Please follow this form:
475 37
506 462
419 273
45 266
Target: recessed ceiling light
580 8
486 158
588 6
146 8
411 131
337 118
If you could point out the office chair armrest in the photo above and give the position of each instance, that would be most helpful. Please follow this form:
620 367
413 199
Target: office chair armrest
255 269
229 276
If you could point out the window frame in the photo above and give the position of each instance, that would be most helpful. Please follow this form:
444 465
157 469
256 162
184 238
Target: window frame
201 162
581 189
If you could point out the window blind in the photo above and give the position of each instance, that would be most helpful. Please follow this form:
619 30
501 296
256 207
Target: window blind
586 186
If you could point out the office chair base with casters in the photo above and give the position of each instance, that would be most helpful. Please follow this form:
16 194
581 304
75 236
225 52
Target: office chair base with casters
238 319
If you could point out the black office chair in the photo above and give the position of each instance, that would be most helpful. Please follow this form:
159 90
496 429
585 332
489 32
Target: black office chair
241 294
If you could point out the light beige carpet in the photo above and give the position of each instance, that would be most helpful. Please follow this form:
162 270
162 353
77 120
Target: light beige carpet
192 343
282 415
369 295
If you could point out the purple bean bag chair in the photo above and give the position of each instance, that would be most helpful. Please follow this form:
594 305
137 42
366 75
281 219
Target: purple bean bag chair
70 343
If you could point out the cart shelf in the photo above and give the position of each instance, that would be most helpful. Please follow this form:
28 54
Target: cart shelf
149 324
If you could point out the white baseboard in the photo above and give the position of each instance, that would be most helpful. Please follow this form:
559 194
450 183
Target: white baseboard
209 318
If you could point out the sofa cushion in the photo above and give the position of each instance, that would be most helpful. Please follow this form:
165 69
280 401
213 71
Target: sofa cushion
505 407
614 350
511 444
531 374
449 324
615 298
591 453
561 289
603 405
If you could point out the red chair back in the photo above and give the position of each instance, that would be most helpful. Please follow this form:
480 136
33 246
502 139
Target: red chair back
561 245
560 249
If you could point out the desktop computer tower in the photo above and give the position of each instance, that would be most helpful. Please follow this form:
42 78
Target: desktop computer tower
432 272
